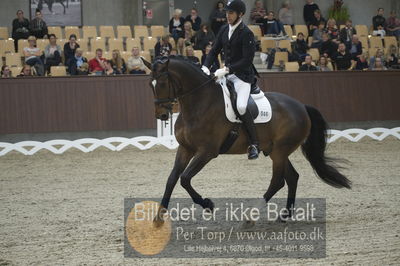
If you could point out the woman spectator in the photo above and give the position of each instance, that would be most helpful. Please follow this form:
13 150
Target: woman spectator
258 13
378 65
323 64
316 22
5 72
332 30
379 32
20 28
38 26
52 53
271 25
188 37
194 19
69 51
108 69
218 17
317 35
176 25
378 54
393 59
300 47
26 71
285 14
163 47
328 47
135 63
214 66
79 64
362 63
393 25
118 63
203 37
32 56
190 55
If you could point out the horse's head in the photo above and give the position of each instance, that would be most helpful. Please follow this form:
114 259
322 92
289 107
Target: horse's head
163 90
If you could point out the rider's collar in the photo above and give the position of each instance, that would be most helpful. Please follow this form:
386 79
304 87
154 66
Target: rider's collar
233 28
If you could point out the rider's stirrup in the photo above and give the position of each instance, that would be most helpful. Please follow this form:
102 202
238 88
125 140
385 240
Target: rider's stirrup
252 152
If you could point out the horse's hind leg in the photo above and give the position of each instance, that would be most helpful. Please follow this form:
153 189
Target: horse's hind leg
291 177
277 181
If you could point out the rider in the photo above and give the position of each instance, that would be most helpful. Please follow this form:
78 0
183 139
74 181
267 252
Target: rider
237 42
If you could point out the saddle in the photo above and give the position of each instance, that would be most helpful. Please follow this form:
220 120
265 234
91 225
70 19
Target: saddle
251 104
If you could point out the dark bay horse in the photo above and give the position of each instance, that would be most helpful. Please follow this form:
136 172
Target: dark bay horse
201 129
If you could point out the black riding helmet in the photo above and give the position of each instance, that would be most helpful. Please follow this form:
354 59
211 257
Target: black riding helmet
237 6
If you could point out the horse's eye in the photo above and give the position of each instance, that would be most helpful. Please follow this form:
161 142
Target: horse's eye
154 83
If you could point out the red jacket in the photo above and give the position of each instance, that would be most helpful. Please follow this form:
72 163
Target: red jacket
95 66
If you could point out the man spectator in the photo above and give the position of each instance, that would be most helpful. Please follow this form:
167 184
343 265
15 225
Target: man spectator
203 37
342 58
308 12
97 64
38 26
393 25
194 19
215 65
307 66
379 20
257 13
379 32
328 47
79 64
316 22
135 63
163 47
346 34
20 28
218 17
355 47
271 25
317 35
285 14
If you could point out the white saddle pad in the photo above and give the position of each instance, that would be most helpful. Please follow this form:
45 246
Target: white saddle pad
264 107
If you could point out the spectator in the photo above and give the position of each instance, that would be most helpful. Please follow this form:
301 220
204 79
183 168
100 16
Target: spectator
393 25
32 56
316 22
214 66
135 63
108 69
79 64
52 53
379 32
258 13
378 64
163 47
218 17
300 47
176 25
308 11
379 54
194 19
203 37
190 55
379 20
355 47
328 47
26 71
307 66
69 51
393 59
271 25
97 64
173 52
362 63
346 34
317 35
187 39
332 30
323 64
343 59
20 28
285 14
38 26
5 72
118 63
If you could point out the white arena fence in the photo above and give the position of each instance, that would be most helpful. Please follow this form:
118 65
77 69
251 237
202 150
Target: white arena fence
165 137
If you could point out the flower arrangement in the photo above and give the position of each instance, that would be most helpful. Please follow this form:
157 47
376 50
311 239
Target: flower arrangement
339 12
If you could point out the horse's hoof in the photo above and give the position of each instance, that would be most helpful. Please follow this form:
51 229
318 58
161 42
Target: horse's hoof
248 224
208 205
281 220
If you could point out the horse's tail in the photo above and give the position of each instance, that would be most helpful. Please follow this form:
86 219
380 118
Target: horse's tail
314 150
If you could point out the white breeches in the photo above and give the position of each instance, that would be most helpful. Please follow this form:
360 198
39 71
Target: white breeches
243 92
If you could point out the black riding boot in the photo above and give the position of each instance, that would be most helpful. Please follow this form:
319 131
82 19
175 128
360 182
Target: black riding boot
248 123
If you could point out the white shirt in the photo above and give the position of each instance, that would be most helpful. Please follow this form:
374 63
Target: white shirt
233 28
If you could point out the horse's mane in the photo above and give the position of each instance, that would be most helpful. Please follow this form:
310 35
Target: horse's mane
195 67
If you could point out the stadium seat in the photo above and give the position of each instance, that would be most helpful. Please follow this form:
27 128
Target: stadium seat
157 31
364 42
72 30
41 44
288 30
362 30
4 33
281 56
301 28
146 55
124 32
149 43
6 46
141 31
22 43
89 55
372 51
107 55
56 31
115 44
285 44
15 71
98 43
89 32
291 66
58 71
107 32
125 55
314 52
13 60
390 40
256 31
341 27
131 42
83 44
375 42
267 44
198 54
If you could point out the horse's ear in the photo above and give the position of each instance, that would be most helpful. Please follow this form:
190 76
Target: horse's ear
147 63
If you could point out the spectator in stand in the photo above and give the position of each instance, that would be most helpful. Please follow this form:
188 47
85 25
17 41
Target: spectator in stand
342 58
20 28
118 63
218 17
379 54
300 47
393 25
190 55
108 69
393 59
332 30
194 19
97 65
203 37
33 55
187 39
307 66
285 14
362 63
5 72
173 52
355 47
323 64
135 63
271 25
258 13
26 71
69 51
214 66
163 47
316 22
78 64
379 20
308 11
38 26
379 32
52 53
346 34
379 64
328 47
317 35
176 25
